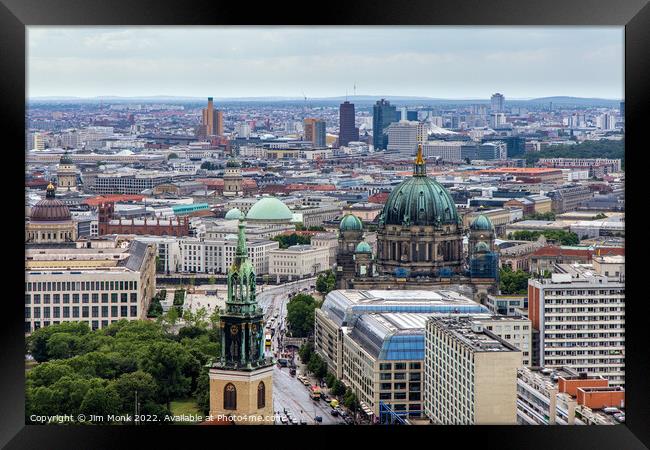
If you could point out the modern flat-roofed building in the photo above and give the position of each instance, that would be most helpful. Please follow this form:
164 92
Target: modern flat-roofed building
94 285
470 374
565 397
579 315
298 261
198 255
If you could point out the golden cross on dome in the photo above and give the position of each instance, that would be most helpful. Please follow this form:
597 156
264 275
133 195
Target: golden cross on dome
419 159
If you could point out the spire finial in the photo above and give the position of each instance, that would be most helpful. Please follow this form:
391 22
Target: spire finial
420 169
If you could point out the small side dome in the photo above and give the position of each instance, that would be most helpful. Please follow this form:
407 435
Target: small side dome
363 247
481 247
233 214
482 223
351 222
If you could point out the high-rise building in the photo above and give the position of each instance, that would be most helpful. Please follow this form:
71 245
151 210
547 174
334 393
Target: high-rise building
383 114
319 134
497 103
241 381
579 318
347 131
470 374
403 137
308 129
212 120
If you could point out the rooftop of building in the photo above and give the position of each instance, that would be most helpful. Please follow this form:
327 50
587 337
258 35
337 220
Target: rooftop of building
471 333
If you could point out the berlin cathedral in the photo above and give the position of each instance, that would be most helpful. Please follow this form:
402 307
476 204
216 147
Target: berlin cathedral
419 243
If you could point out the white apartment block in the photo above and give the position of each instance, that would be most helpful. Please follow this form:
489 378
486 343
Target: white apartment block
298 261
579 314
470 374
216 256
403 136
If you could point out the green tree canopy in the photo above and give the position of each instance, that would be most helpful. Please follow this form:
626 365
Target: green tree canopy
300 315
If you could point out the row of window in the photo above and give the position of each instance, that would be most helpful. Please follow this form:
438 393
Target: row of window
93 324
46 299
84 311
39 286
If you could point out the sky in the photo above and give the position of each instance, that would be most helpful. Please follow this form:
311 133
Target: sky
434 61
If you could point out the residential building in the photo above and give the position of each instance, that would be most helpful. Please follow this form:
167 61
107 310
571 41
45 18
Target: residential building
579 315
470 374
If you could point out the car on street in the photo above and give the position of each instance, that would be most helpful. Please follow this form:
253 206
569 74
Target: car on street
318 419
294 421
284 420
306 382
334 413
303 422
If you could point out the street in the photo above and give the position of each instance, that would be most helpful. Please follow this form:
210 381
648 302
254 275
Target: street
288 392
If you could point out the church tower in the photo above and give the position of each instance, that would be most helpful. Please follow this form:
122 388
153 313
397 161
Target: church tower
350 235
233 180
66 174
241 380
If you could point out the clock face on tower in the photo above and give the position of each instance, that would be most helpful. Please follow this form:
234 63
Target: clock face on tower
234 329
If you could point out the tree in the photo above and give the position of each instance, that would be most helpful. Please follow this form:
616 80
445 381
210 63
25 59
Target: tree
202 392
62 345
350 400
305 352
172 156
513 282
287 240
338 388
317 366
167 362
39 338
128 384
326 282
100 401
300 315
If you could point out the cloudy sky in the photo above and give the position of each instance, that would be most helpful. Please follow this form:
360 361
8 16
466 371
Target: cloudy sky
440 62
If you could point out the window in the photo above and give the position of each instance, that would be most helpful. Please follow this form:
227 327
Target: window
385 366
230 397
134 310
124 297
114 297
261 395
400 366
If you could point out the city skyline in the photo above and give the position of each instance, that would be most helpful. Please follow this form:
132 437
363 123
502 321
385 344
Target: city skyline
296 62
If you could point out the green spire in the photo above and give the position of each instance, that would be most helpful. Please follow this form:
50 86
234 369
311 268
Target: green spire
242 252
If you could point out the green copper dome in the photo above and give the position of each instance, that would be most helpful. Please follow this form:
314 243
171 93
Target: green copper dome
233 214
481 223
351 222
65 159
269 208
419 200
363 247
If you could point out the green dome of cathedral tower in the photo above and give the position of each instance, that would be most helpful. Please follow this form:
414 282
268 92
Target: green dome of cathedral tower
419 200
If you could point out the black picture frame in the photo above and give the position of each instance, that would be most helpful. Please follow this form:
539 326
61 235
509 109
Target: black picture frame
15 15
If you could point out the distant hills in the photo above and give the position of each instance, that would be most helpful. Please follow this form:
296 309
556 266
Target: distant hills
326 101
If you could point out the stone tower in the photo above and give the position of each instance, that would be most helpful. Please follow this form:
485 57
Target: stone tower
233 180
66 174
350 235
241 380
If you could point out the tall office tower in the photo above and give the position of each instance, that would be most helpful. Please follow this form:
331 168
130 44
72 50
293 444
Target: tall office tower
319 134
212 120
347 131
208 118
622 111
497 102
470 374
308 129
383 114
578 318
217 126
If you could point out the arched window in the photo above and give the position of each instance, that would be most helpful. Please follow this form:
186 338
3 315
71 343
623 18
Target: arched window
261 395
230 396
